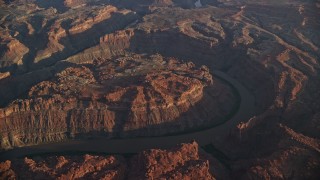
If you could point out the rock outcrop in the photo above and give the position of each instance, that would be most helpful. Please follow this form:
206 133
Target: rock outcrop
70 72
65 167
128 96
45 36
11 51
74 3
55 34
4 75
181 162
88 22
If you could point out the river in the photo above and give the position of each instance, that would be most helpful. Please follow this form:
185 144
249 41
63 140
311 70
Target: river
134 145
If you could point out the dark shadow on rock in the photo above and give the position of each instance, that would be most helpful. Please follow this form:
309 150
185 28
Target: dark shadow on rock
176 44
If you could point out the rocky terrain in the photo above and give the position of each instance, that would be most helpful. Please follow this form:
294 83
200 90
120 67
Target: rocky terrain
98 68
124 97
181 162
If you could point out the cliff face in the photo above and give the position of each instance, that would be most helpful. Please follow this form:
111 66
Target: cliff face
110 45
11 51
118 38
4 75
84 23
74 3
283 152
127 96
55 33
80 79
43 37
65 37
181 162
65 167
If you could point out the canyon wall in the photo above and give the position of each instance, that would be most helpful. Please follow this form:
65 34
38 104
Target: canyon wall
127 96
181 162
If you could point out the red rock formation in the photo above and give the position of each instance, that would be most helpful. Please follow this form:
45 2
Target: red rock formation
121 97
85 24
272 49
6 171
281 158
4 75
65 167
110 45
182 162
11 50
74 3
119 37
55 33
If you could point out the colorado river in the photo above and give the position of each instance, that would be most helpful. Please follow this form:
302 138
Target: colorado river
133 145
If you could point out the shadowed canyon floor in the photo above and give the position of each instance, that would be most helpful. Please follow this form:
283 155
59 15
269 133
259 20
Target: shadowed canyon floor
110 76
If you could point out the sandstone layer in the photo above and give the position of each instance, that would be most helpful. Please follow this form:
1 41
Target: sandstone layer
43 35
271 47
126 96
11 50
182 162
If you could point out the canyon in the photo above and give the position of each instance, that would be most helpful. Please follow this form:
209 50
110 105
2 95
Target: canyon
125 97
105 71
